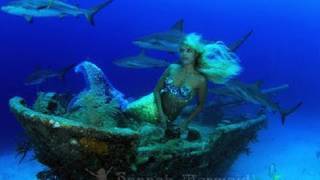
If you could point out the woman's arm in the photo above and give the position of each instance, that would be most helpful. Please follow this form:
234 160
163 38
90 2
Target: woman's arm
156 93
202 96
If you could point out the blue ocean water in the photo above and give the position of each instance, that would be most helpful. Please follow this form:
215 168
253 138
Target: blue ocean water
284 48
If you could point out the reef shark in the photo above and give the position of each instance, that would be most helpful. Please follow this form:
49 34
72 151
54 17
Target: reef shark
170 40
163 41
50 8
141 61
254 94
41 75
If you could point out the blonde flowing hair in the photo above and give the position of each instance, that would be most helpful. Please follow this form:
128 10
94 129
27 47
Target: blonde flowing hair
216 61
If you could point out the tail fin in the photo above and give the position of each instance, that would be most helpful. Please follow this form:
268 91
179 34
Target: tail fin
93 11
286 113
65 70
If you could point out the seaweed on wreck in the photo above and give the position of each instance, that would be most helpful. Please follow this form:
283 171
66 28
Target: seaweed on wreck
23 148
95 111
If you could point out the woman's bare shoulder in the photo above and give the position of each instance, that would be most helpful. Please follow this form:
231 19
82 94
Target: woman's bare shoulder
174 66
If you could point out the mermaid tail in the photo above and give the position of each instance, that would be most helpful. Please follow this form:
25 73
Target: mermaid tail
97 85
144 109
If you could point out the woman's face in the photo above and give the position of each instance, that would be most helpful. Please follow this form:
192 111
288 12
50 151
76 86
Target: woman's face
187 55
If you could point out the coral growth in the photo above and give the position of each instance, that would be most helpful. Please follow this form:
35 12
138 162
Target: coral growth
98 83
94 110
99 103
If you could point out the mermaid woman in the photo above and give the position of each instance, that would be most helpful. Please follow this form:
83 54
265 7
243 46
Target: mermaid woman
180 83
199 63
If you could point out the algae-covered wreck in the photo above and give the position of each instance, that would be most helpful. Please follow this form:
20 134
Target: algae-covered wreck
97 131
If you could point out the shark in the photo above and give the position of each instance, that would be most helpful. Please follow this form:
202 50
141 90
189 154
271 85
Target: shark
140 61
254 94
171 39
163 41
50 8
39 75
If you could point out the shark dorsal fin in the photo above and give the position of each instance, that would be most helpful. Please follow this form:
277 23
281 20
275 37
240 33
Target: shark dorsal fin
45 6
235 45
178 26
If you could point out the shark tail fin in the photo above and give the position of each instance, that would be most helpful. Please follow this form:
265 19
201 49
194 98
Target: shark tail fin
286 113
89 14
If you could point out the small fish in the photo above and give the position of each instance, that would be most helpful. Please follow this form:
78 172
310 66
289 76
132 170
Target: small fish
50 8
41 75
141 62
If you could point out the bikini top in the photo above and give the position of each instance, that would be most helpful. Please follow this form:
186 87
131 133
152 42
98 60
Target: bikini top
183 92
